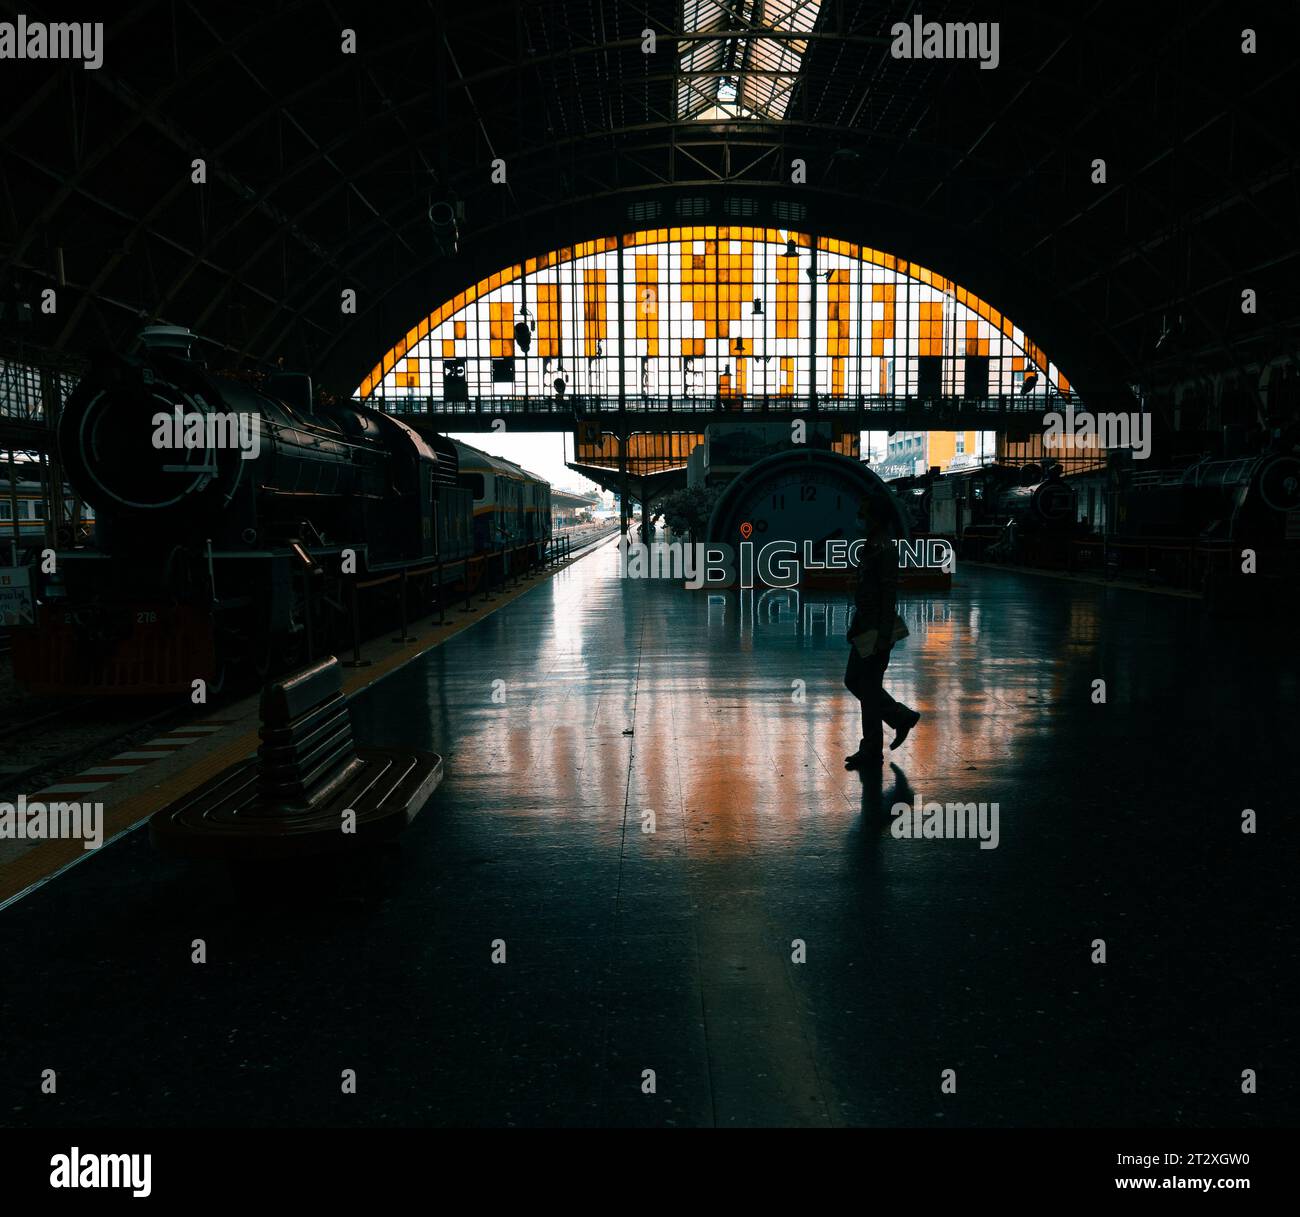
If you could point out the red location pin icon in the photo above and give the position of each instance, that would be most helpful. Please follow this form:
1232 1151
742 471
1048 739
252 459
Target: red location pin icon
746 529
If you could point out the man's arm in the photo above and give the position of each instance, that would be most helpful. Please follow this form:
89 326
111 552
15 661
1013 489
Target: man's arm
888 587
886 599
864 598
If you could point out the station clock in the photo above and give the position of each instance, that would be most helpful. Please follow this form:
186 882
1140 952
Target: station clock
801 496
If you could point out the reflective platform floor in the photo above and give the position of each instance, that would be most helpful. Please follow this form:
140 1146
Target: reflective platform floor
772 951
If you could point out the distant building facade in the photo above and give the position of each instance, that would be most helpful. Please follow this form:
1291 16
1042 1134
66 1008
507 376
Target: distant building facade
908 453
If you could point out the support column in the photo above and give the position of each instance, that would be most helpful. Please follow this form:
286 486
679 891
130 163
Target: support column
645 509
50 407
13 500
624 482
812 330
46 498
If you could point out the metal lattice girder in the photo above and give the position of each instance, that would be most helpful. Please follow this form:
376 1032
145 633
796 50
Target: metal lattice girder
323 167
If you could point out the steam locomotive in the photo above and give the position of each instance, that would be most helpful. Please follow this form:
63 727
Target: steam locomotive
1255 498
980 502
251 533
1214 503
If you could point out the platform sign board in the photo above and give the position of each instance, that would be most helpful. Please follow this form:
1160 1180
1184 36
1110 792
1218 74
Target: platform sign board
16 595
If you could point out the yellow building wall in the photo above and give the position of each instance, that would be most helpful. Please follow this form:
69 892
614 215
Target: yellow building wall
941 447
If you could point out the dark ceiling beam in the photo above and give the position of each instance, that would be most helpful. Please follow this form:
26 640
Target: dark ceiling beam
1102 99
241 273
714 174
134 316
260 200
250 348
287 114
140 113
1134 183
190 147
1155 162
1007 108
1127 253
91 289
1211 287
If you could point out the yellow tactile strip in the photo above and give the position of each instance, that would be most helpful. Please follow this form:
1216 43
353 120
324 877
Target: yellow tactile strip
41 863
116 772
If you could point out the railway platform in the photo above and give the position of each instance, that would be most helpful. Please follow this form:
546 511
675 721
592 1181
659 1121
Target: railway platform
648 893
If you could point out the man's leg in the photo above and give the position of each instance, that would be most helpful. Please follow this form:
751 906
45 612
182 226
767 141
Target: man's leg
862 681
900 717
892 713
873 672
853 677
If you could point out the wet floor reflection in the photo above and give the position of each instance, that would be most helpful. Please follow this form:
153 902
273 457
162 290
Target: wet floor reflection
594 707
645 804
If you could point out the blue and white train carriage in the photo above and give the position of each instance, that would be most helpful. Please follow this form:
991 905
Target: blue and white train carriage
511 506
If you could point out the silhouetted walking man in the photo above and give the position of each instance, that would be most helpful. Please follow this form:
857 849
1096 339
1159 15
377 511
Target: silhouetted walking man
872 632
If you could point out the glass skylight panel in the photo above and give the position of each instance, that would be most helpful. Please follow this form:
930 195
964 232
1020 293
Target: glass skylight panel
731 89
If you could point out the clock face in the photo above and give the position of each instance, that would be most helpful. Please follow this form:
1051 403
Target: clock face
799 504
802 498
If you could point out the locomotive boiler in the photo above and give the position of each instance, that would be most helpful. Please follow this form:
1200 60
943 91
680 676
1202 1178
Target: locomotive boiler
1250 498
978 503
235 522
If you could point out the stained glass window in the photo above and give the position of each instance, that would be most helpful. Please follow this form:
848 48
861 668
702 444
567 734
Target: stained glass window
735 313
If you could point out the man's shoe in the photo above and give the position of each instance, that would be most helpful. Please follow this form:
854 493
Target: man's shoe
861 758
905 729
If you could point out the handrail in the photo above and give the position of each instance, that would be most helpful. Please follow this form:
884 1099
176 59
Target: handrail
1029 405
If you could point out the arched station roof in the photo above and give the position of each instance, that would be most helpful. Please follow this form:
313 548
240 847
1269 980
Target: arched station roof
735 310
372 171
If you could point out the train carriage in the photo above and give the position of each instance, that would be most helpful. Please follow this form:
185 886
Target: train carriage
510 505
209 559
23 523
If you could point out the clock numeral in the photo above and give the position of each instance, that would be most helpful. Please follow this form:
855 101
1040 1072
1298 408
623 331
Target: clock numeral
807 494
778 502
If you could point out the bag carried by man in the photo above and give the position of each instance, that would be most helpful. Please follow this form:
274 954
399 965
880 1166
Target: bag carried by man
865 643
